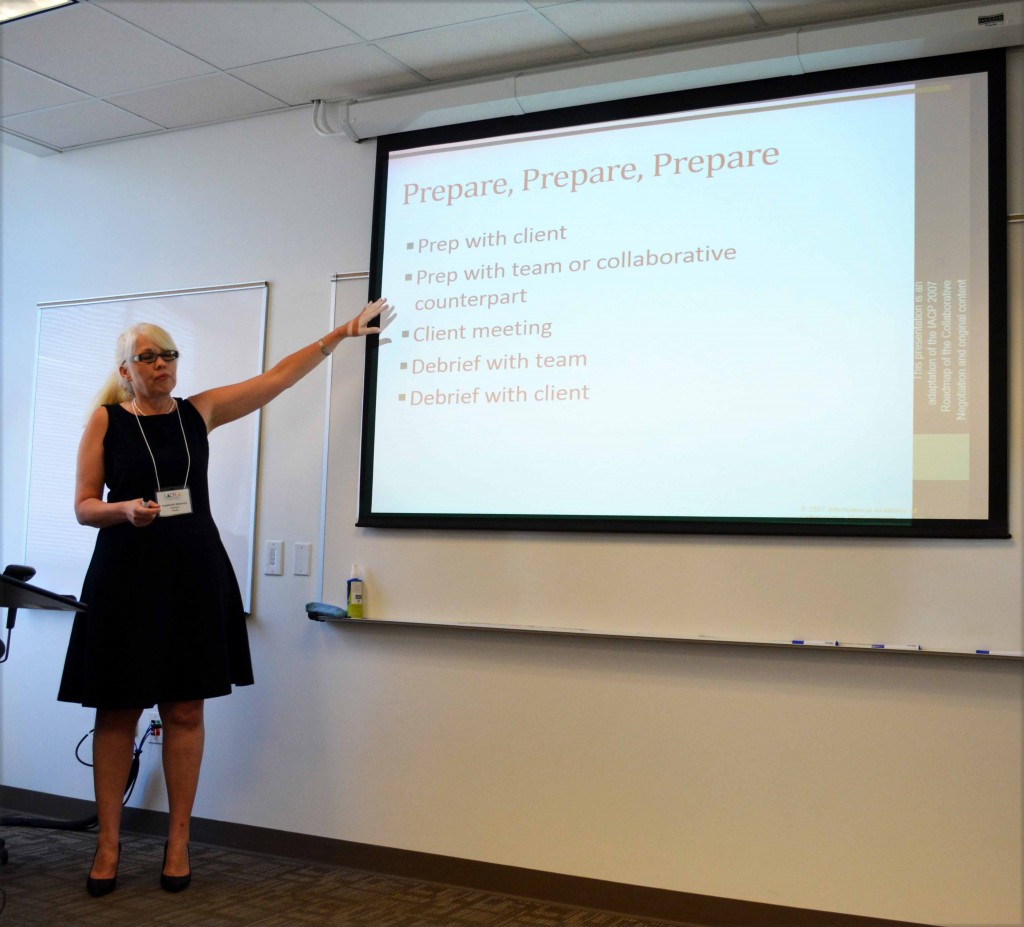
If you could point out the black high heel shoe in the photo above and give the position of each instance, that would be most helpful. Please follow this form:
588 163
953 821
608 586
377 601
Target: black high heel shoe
175 883
100 887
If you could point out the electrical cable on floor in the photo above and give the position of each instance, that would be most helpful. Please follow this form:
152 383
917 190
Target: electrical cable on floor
83 823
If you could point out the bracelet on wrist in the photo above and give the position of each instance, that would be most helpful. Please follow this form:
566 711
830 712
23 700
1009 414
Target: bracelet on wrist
323 347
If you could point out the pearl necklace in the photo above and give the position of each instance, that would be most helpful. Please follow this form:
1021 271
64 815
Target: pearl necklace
138 411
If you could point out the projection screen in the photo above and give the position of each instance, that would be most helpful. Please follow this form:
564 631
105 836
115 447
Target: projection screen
770 307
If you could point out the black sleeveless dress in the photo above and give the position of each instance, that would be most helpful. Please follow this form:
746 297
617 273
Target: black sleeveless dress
165 620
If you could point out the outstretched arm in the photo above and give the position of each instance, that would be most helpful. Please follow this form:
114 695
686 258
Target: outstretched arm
224 404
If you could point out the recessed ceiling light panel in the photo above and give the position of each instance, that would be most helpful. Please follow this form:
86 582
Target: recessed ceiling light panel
19 9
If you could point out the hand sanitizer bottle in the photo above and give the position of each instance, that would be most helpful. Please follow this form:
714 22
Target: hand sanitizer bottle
355 593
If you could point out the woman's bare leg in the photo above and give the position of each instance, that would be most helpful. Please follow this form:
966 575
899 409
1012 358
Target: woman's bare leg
113 746
184 736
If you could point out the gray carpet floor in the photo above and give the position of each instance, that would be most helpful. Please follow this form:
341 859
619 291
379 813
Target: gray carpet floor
43 885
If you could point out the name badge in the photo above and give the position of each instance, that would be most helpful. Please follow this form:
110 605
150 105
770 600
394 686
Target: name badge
175 502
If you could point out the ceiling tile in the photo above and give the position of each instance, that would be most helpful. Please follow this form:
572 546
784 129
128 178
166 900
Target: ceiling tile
522 40
396 17
193 102
22 91
604 28
88 49
78 124
174 63
232 34
335 74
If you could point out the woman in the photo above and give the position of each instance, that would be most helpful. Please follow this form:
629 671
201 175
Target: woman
164 624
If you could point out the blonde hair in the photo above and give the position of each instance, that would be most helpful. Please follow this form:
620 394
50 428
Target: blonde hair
117 389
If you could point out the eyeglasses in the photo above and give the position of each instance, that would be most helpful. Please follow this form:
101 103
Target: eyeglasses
149 357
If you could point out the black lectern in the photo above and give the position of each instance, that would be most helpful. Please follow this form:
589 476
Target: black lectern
15 593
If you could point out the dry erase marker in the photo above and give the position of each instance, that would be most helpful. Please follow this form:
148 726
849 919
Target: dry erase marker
895 646
816 643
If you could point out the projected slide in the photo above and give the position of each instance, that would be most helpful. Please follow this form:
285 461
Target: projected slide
771 310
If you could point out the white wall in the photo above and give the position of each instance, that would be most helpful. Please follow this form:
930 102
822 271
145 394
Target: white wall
873 784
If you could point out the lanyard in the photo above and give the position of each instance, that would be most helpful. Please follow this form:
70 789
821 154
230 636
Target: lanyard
188 469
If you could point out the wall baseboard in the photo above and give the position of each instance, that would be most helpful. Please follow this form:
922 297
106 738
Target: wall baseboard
635 900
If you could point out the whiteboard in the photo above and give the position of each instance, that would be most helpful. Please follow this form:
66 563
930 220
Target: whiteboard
942 595
220 332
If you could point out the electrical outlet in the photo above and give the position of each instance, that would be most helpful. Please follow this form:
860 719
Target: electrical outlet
155 727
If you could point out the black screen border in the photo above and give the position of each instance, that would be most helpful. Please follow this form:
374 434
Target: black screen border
995 526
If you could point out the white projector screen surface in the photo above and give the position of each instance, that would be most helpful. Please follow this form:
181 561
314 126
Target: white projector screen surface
770 314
